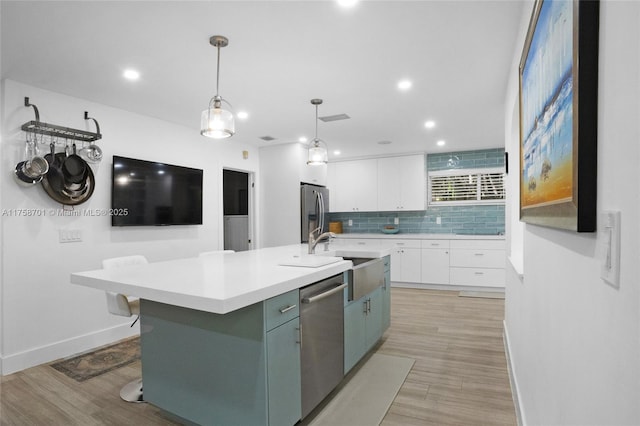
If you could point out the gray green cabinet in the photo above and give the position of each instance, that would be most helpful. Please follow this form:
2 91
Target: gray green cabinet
362 326
386 294
237 368
283 373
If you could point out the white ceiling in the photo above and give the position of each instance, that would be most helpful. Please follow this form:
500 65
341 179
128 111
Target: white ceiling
281 54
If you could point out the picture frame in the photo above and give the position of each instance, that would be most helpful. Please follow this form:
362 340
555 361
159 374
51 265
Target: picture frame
558 94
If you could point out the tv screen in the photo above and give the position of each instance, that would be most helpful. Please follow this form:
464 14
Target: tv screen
144 193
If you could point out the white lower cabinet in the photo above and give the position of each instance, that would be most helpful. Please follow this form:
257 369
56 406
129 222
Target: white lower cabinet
477 263
405 260
435 262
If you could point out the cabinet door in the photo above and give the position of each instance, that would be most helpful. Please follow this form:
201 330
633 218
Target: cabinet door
435 266
413 184
388 182
353 186
396 262
374 317
401 183
354 332
283 372
386 296
411 267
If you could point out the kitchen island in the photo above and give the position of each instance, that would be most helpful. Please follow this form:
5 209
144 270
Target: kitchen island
220 334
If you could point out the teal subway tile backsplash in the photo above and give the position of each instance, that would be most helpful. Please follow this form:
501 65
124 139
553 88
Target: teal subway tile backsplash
465 219
475 220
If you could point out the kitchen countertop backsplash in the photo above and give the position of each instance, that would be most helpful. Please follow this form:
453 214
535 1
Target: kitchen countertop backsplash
472 220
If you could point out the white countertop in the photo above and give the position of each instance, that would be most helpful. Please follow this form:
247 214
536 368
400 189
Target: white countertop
400 235
221 283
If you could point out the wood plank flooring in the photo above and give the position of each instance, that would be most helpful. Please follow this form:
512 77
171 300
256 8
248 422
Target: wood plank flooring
459 376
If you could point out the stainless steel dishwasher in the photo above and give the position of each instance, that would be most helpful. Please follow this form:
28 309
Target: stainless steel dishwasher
322 339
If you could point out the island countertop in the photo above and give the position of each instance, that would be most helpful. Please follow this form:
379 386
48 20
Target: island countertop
220 283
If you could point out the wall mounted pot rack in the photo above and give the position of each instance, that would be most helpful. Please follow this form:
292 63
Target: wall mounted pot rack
59 133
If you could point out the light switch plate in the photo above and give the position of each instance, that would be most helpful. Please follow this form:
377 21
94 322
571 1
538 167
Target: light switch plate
69 235
610 243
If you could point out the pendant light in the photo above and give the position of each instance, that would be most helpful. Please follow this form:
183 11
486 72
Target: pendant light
317 148
216 122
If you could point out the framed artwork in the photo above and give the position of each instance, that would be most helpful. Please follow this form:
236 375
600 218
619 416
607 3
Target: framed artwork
559 115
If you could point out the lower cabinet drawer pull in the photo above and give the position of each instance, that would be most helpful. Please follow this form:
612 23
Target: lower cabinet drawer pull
286 309
479 273
479 254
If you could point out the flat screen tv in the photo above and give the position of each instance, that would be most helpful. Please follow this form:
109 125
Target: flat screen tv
145 193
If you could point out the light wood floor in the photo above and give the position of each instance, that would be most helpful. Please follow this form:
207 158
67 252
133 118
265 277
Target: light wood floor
459 376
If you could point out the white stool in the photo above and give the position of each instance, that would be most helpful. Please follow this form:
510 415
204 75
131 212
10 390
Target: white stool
126 306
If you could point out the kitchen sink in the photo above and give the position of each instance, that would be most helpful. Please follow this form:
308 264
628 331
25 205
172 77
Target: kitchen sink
366 275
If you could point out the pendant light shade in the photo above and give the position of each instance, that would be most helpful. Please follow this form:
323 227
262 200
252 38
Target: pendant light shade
318 153
216 122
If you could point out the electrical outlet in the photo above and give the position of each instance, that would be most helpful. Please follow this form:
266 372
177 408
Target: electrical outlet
69 235
438 220
610 242
350 222
396 221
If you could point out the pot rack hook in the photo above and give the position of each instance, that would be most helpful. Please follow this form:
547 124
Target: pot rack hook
35 108
86 117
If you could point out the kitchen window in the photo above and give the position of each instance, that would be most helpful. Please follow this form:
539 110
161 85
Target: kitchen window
466 186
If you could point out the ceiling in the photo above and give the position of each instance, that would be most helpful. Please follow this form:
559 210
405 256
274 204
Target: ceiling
281 54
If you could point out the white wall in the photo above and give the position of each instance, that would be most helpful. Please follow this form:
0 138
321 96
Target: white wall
574 341
44 317
280 196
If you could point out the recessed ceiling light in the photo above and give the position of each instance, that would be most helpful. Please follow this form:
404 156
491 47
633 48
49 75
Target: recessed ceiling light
404 84
242 115
441 143
429 124
131 74
347 3
302 139
336 152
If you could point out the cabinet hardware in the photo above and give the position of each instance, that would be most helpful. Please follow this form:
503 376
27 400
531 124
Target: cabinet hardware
364 304
479 254
299 341
287 309
479 273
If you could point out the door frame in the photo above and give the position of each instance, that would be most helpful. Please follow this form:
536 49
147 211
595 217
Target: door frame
251 209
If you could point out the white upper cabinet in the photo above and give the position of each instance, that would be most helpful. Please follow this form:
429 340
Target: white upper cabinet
313 174
401 183
352 185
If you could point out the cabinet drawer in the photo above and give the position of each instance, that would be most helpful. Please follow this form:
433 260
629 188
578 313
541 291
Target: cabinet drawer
368 242
435 244
401 243
478 258
483 277
281 309
478 244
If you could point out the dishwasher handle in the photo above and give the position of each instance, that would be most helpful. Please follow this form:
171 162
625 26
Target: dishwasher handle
323 295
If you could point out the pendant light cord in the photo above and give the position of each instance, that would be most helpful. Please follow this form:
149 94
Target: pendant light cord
316 123
218 72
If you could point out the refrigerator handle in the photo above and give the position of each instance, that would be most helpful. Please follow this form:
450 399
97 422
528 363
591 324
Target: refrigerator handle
321 212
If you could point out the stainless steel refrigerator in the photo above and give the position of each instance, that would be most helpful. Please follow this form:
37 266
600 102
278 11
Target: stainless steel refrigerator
314 206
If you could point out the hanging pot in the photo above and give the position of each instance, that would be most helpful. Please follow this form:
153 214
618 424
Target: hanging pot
74 168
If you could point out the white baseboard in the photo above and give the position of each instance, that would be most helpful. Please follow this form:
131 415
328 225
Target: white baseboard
517 402
65 348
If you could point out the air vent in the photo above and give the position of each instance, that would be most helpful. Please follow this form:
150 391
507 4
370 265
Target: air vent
267 138
334 117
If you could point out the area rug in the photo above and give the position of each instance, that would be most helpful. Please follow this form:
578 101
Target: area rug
482 294
363 399
100 361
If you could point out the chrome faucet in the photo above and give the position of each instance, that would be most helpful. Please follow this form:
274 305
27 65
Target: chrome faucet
313 241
